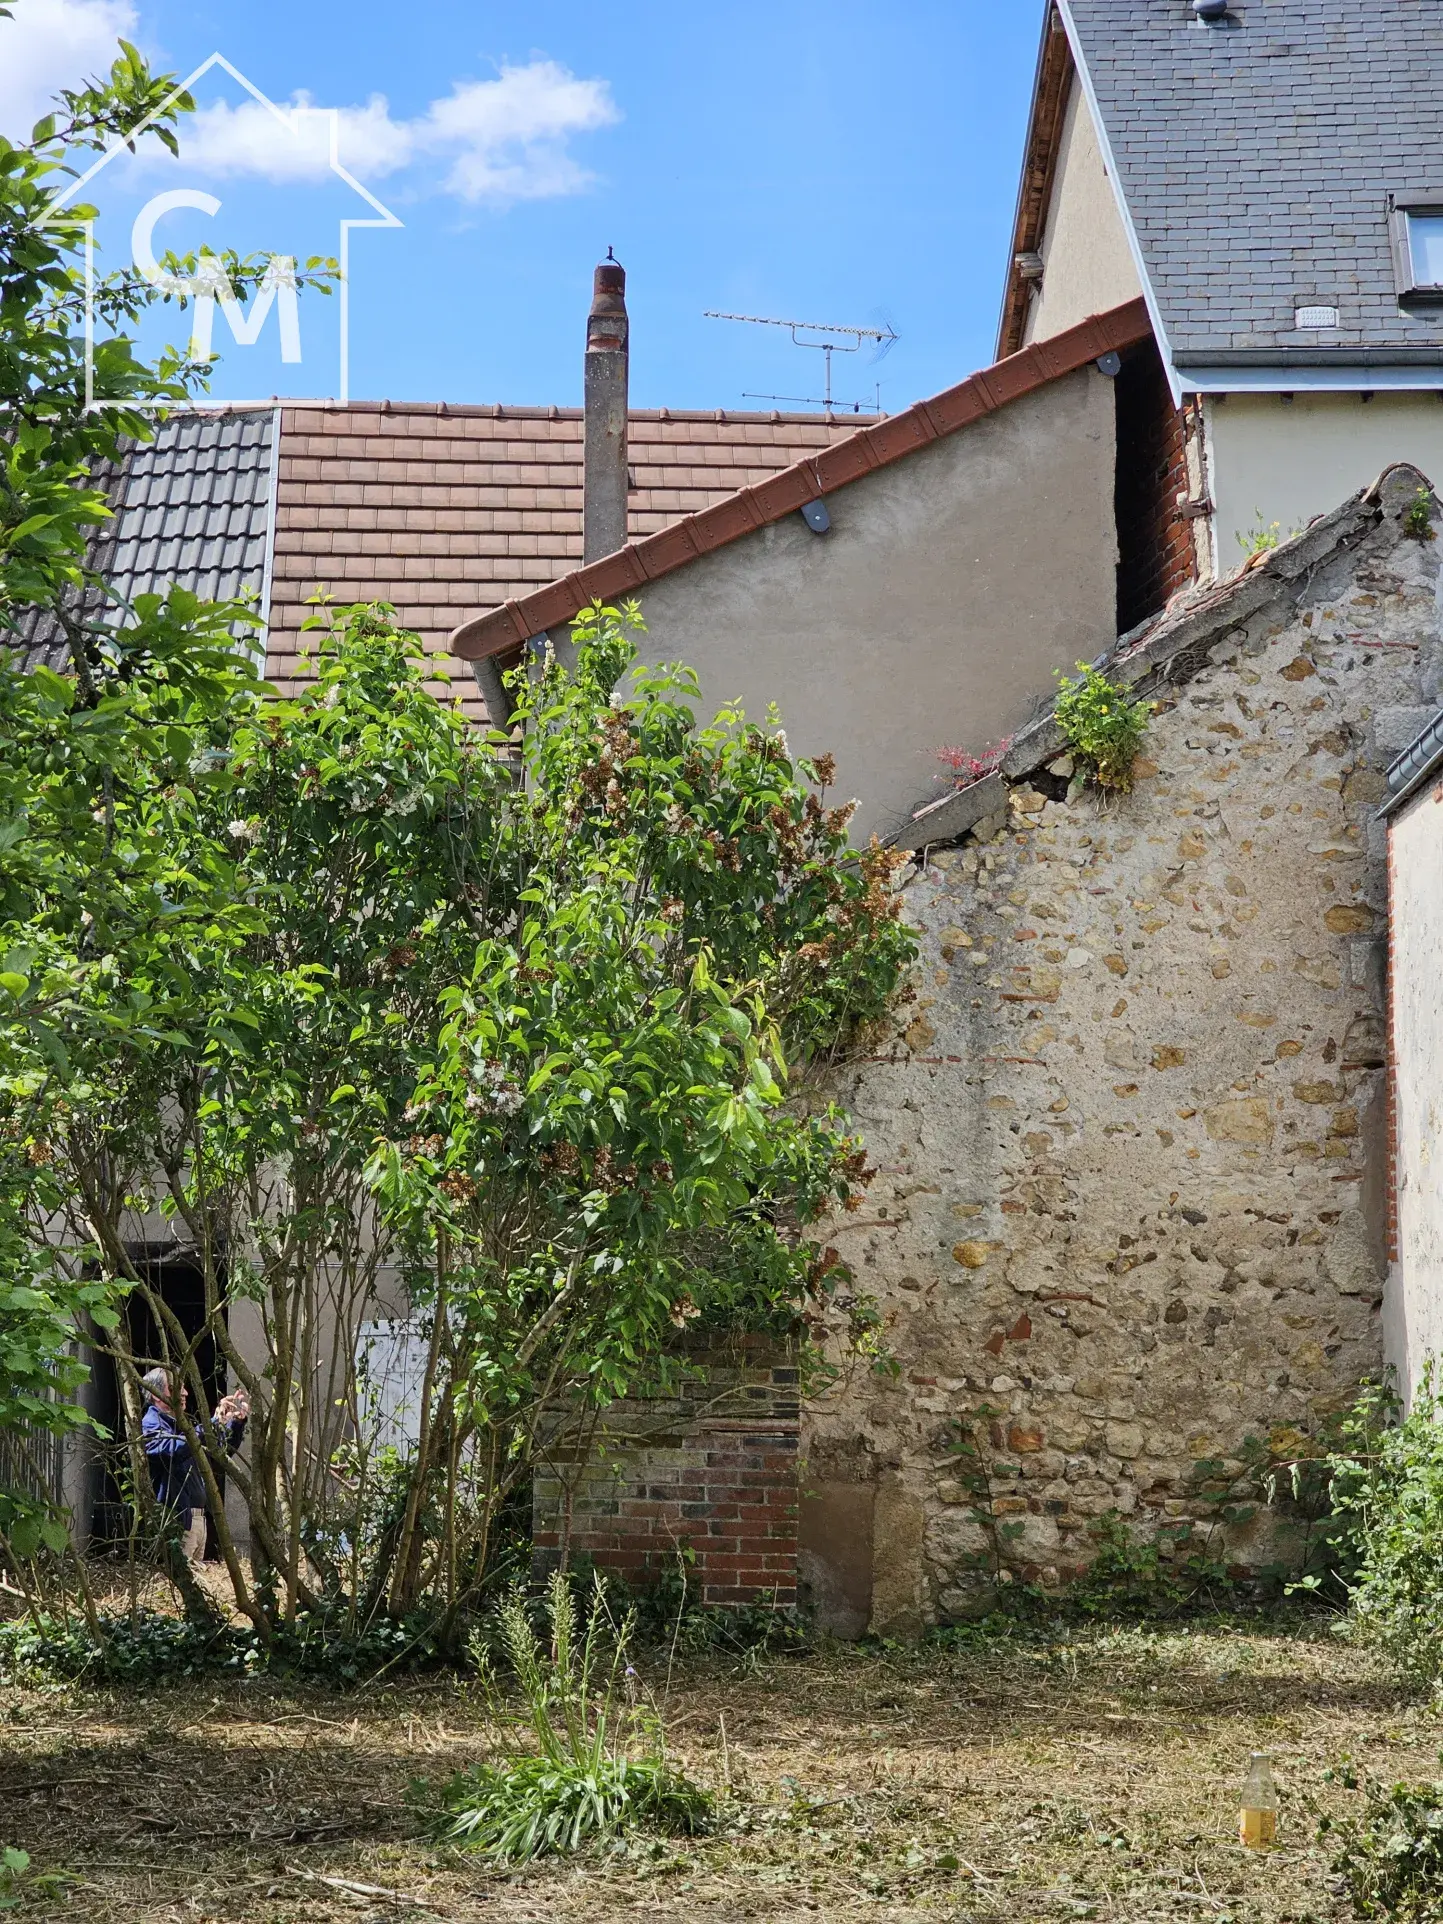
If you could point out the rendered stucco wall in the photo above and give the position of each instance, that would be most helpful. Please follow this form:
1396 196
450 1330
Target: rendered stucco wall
949 588
1416 958
1291 460
1130 1135
1089 264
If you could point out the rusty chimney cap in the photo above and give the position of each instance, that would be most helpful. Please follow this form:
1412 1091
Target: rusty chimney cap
609 286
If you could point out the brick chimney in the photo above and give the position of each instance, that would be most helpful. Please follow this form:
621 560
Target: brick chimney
603 522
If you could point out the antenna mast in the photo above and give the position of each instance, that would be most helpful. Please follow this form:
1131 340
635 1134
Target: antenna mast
828 346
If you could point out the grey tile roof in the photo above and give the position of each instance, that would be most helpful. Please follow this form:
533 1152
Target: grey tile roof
1257 160
191 507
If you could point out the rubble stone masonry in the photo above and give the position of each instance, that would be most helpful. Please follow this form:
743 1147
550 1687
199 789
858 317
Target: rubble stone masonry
1130 1209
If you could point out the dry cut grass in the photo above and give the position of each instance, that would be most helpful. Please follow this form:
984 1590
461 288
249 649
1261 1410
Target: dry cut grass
1094 1775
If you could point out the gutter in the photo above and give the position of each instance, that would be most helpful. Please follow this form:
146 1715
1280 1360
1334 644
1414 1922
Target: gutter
1282 357
1414 767
1310 370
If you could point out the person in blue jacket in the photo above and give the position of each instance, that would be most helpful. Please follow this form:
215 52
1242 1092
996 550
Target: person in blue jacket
174 1471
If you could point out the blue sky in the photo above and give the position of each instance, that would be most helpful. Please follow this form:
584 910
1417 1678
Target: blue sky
851 163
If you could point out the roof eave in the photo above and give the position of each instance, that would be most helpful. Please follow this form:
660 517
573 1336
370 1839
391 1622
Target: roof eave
1051 88
1320 370
640 562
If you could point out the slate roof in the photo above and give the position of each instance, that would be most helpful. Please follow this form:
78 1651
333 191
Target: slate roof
192 506
1256 159
197 507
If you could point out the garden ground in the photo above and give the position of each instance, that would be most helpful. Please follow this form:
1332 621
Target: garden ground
1091 1773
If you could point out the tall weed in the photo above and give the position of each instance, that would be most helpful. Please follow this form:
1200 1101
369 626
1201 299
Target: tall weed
598 1767
1387 1486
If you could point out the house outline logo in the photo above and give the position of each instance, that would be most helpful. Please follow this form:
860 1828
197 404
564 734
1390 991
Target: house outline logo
290 120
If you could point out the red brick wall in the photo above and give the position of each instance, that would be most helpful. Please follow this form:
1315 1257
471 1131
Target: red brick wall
713 1469
1156 555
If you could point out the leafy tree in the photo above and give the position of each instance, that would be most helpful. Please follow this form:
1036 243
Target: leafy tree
89 760
370 1013
601 1149
366 1009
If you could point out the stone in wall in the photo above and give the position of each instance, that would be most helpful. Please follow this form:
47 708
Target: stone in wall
1127 1209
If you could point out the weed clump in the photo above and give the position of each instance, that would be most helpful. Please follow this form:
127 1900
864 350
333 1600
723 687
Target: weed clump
1103 726
1389 1856
1387 1491
599 1767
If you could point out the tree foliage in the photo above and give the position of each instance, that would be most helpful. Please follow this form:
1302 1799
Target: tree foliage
366 1012
333 995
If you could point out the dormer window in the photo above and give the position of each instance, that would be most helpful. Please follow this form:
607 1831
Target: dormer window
1416 221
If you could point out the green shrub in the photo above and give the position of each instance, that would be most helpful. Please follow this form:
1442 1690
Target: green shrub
150 1648
1389 1857
1387 1485
669 1615
599 1767
1103 725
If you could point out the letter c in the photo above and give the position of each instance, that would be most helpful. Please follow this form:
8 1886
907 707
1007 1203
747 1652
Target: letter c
142 234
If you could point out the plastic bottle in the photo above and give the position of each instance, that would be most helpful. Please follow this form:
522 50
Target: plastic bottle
1258 1813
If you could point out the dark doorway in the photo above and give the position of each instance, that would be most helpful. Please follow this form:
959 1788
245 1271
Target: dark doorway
181 1286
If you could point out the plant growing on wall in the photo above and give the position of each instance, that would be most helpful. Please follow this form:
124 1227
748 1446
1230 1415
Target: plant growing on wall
1103 725
1261 538
968 768
1418 521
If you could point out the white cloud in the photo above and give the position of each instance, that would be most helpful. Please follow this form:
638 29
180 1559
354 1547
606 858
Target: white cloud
499 140
508 136
48 44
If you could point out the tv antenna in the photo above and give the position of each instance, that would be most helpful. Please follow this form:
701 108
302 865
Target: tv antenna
834 339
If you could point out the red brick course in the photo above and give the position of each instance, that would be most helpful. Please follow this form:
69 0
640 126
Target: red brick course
712 1470
1156 554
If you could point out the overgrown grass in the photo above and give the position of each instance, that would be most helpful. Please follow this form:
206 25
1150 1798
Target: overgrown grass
1033 1774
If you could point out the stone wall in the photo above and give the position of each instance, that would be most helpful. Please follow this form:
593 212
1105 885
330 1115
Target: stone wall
1129 1207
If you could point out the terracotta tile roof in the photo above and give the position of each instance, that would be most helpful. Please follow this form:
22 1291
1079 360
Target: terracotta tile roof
643 559
448 511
